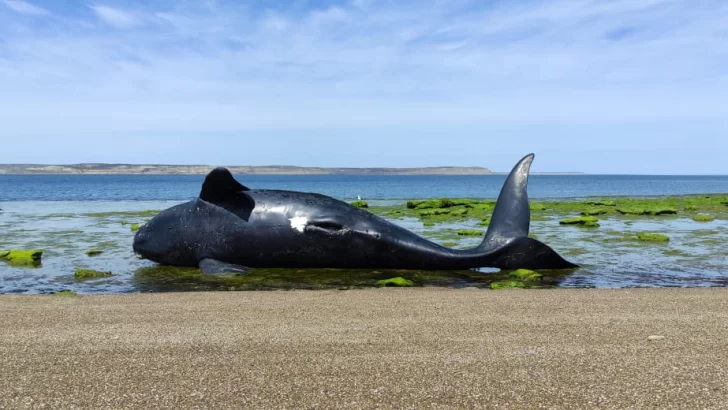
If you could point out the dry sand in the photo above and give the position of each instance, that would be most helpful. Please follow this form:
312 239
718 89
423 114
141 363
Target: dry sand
378 348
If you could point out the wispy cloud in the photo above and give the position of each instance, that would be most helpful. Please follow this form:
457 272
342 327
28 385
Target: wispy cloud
25 7
229 68
116 17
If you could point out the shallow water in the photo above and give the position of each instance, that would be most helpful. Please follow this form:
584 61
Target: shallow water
696 255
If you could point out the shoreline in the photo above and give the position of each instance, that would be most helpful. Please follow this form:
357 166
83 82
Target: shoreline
401 348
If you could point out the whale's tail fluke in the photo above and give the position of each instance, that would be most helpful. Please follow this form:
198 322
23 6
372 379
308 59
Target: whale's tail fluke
507 237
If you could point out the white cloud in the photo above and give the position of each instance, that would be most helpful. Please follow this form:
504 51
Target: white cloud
228 68
115 17
25 7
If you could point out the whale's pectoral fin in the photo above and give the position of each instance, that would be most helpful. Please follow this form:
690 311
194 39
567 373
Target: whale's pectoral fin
212 266
325 226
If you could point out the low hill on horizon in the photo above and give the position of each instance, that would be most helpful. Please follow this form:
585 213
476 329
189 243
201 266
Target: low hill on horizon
152 169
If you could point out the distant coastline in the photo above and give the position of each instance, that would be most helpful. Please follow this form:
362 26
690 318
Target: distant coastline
134 169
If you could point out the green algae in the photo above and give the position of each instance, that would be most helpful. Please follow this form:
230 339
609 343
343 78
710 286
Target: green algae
507 284
360 204
675 252
83 274
605 202
165 278
430 204
65 293
126 214
398 281
450 244
631 211
94 252
134 227
469 232
392 213
19 257
588 221
703 218
536 206
594 212
525 275
661 211
485 221
459 212
652 237
575 252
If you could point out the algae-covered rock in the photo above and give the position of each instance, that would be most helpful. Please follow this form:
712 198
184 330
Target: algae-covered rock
469 203
631 211
398 281
469 232
661 211
589 221
65 293
431 204
360 204
134 227
507 284
652 237
536 206
525 275
702 218
428 223
604 202
594 211
459 212
691 208
485 221
90 274
94 252
21 257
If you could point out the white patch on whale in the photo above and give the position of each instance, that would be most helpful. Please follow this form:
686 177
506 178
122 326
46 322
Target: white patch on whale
298 223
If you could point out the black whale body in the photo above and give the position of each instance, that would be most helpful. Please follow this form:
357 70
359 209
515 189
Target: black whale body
231 228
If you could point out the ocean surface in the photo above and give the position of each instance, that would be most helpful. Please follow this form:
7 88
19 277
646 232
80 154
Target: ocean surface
66 215
183 187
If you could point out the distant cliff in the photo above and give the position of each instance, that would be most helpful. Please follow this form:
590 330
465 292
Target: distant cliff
110 169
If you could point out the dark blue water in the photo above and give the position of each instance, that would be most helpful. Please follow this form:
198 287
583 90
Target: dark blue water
183 187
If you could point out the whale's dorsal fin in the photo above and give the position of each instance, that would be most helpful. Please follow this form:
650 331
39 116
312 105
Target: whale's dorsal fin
220 183
221 188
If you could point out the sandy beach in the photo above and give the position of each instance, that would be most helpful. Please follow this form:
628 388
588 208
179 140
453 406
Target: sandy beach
375 348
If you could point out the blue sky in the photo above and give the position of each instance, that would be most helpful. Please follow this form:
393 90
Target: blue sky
600 86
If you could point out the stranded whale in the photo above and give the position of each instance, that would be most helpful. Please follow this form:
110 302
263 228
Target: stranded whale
231 228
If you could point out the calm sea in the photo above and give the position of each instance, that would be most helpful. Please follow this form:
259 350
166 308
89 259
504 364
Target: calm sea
183 187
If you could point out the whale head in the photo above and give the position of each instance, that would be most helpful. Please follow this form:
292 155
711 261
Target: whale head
164 239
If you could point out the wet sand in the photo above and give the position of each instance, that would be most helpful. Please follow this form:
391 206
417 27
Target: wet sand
383 348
